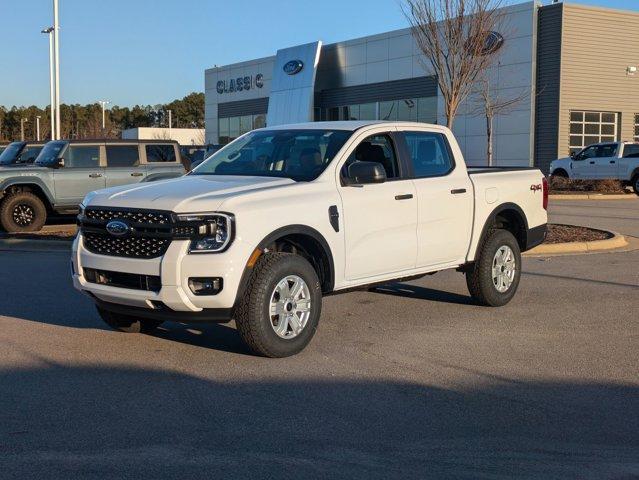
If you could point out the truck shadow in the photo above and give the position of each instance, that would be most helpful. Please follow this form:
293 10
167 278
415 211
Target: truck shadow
111 422
422 293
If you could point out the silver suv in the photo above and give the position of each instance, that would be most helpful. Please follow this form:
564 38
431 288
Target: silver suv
66 170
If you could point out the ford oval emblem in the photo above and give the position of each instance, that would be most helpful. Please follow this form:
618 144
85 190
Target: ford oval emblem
293 67
117 228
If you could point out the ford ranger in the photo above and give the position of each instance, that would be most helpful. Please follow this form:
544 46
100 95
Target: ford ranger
273 221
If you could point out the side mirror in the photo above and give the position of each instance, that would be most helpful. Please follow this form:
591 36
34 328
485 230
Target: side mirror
573 155
362 173
60 162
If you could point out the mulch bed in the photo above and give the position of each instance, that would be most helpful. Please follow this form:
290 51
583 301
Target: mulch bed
49 232
569 233
564 186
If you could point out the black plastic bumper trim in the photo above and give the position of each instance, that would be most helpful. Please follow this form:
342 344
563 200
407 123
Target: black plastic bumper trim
536 236
165 314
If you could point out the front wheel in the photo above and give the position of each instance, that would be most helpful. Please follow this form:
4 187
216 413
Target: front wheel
128 323
494 277
280 310
635 183
22 212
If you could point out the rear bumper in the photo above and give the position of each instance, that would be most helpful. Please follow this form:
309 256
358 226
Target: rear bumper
536 236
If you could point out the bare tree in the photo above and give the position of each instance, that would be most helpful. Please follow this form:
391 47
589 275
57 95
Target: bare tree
458 40
490 104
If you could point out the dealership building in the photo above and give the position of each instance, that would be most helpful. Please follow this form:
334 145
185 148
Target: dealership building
574 69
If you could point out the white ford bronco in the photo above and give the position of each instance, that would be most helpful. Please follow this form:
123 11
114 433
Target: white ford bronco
281 216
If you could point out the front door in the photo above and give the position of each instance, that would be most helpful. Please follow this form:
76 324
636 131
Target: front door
583 165
444 200
123 165
82 173
379 219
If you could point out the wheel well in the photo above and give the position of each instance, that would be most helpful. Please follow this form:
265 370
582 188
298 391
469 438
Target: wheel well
512 221
312 250
560 172
31 188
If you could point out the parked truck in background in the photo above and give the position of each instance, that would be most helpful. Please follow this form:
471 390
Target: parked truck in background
281 216
66 170
601 161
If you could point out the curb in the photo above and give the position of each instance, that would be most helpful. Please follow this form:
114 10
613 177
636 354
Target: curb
594 196
32 245
617 241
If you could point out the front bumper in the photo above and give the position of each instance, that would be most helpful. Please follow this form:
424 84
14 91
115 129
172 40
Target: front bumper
174 298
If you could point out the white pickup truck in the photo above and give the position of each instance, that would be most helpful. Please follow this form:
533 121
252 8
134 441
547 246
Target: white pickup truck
600 161
279 217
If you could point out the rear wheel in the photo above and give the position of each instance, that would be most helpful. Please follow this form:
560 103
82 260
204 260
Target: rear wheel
635 183
494 277
128 323
280 310
22 212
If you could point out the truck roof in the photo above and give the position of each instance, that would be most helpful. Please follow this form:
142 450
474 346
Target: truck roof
351 125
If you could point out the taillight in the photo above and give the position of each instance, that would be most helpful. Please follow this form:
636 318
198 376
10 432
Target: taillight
544 187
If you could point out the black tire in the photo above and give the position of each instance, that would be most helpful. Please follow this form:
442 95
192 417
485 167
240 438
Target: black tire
560 173
22 212
635 183
128 323
253 317
479 278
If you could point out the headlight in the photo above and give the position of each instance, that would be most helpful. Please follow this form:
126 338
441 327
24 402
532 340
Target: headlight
214 232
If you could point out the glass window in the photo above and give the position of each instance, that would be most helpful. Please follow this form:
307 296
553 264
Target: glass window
631 151
427 110
429 154
259 121
297 154
30 153
11 153
223 130
605 151
592 127
246 124
122 155
407 110
234 127
368 111
50 153
376 148
637 127
82 156
160 153
388 111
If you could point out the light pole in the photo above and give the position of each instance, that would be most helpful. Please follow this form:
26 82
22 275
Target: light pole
56 40
38 128
22 120
170 120
49 31
103 103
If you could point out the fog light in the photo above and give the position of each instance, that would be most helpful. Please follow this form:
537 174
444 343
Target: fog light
205 285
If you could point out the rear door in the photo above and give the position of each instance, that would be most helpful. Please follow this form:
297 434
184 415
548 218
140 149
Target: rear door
83 172
606 161
444 199
123 164
163 160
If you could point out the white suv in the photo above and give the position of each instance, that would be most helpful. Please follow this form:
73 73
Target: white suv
280 216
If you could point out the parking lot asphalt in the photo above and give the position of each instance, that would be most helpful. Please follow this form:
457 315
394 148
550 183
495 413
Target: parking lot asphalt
621 216
407 381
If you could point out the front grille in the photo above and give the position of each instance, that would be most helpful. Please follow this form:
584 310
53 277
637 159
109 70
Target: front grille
149 236
150 283
133 247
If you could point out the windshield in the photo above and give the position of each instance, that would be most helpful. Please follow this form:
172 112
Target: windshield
49 154
301 155
11 153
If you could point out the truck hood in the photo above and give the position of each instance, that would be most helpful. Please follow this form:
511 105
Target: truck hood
188 194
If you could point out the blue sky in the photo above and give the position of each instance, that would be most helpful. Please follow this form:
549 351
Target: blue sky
153 51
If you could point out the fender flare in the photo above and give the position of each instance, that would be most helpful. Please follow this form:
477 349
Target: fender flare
26 181
282 232
490 220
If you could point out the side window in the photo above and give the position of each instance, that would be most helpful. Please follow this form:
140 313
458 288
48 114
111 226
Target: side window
429 154
29 154
376 148
122 156
81 156
160 153
631 151
586 153
605 151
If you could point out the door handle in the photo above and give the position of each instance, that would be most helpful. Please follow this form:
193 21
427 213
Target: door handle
405 196
592 163
457 191
612 161
95 175
137 174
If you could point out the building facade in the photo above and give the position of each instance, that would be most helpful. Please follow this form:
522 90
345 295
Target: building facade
562 80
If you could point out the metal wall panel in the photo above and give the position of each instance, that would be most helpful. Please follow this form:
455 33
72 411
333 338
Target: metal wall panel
242 107
378 92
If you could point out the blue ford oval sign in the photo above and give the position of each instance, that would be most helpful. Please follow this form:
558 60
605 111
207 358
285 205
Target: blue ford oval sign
117 228
293 67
